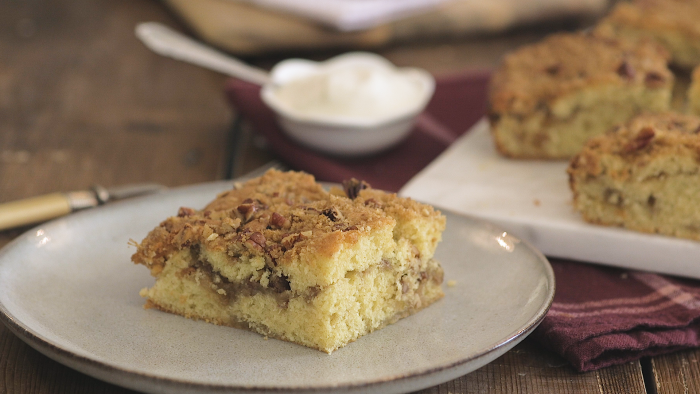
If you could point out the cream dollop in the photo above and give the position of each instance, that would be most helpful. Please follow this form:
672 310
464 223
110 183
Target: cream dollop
357 91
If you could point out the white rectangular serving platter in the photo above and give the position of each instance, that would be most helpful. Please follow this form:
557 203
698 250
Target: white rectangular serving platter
532 200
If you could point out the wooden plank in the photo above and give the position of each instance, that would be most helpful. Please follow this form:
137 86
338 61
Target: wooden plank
24 370
82 101
528 368
676 372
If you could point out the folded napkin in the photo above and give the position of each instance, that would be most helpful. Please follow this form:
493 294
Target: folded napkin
600 316
605 316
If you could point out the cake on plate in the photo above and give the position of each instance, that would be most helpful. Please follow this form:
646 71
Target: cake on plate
281 256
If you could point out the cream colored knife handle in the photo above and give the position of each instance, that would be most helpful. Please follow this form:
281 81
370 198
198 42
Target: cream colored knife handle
34 210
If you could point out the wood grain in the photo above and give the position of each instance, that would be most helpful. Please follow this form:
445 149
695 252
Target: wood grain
530 369
24 370
677 372
82 101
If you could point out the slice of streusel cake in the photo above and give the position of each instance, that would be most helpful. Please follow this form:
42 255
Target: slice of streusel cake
643 175
548 98
281 256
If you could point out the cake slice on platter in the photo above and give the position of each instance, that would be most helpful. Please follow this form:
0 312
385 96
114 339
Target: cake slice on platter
548 98
644 175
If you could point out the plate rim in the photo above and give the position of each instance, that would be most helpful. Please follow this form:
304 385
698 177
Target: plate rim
139 380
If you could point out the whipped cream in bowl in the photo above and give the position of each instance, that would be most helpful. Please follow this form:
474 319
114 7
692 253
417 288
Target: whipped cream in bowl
354 104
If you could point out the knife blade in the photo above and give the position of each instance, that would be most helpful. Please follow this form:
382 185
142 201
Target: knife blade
53 205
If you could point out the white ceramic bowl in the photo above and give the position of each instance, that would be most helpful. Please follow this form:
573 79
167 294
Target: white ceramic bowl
345 135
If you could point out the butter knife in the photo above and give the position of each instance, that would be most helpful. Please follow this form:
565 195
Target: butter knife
50 206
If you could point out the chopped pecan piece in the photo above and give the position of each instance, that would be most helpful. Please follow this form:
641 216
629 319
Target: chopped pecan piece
641 140
278 220
258 238
247 210
553 70
333 214
654 80
184 212
370 202
353 187
625 70
289 241
252 244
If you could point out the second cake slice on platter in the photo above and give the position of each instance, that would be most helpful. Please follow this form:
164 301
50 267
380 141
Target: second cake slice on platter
548 98
643 175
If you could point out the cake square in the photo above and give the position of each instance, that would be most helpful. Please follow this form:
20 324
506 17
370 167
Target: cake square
548 98
281 256
643 175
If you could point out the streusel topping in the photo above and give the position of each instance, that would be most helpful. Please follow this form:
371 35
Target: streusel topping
536 75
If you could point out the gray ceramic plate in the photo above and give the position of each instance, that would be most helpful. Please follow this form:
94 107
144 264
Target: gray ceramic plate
70 291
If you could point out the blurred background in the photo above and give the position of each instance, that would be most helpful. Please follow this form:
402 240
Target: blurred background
82 101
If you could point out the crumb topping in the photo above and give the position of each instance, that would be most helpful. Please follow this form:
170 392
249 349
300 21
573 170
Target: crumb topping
677 15
279 217
535 75
641 140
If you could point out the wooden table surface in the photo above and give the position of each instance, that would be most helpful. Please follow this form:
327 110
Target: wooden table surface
83 102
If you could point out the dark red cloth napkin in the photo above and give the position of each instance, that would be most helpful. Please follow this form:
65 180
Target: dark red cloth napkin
600 316
457 104
605 316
